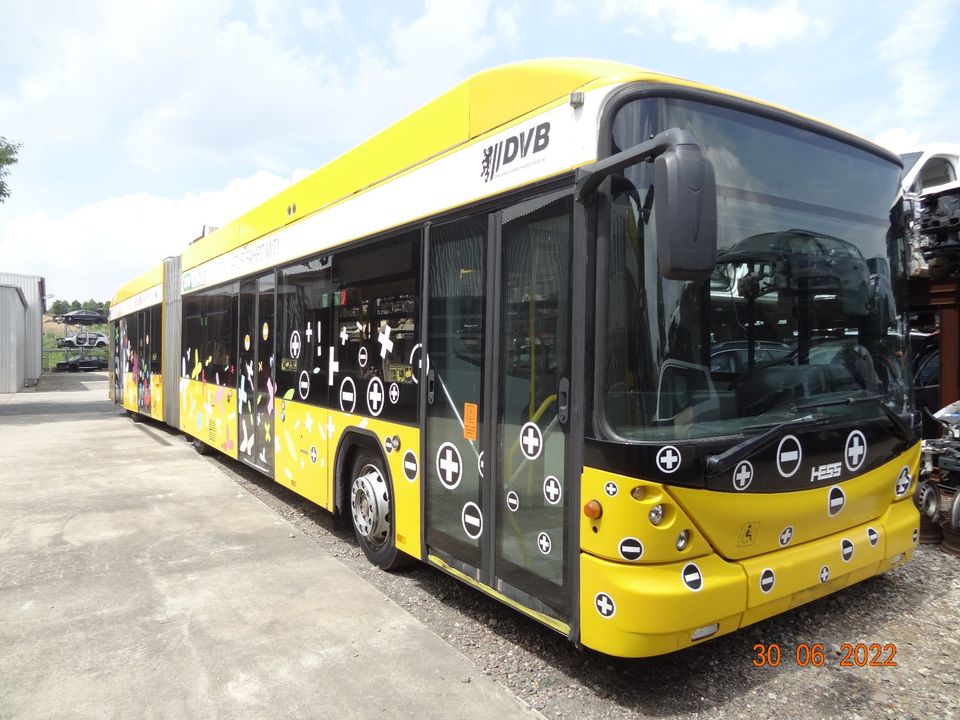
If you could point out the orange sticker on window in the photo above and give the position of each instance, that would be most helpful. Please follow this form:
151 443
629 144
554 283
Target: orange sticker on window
469 421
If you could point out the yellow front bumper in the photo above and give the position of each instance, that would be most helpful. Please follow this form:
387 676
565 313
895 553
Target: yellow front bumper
642 610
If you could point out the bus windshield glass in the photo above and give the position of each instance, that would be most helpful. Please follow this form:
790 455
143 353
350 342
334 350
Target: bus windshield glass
804 308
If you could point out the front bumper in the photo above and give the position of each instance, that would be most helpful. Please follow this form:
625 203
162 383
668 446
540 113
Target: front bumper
643 610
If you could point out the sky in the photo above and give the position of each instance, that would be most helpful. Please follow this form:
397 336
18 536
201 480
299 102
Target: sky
143 121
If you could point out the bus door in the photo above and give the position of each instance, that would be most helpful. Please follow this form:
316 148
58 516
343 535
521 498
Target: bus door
256 375
498 356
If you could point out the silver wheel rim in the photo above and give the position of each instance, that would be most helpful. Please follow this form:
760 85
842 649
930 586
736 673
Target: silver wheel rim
370 506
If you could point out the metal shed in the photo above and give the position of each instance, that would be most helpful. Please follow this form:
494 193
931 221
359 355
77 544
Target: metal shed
13 312
32 289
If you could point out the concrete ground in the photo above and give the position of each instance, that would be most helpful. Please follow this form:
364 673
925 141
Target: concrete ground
137 581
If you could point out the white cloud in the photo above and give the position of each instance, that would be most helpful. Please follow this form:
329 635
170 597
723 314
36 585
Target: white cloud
92 251
899 140
918 84
181 87
718 24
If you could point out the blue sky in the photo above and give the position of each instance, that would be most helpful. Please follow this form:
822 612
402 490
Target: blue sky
143 121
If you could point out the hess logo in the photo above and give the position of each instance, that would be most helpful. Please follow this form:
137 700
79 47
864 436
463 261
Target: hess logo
501 154
825 472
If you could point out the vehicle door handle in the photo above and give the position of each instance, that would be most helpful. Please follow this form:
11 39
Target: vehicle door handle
430 380
563 401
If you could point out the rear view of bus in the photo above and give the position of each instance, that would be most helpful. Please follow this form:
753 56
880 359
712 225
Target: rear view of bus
747 443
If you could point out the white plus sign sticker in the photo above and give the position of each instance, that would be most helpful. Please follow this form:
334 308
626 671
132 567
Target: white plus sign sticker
449 465
855 450
789 456
611 488
348 395
333 369
743 475
552 490
375 395
308 332
531 441
786 535
544 543
824 574
903 482
295 344
668 459
472 520
394 393
604 605
362 356
415 353
313 454
386 344
343 336
303 386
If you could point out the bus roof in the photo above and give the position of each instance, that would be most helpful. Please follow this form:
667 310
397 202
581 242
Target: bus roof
144 281
475 107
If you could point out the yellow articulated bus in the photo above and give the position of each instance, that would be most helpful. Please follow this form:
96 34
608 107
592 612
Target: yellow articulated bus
620 350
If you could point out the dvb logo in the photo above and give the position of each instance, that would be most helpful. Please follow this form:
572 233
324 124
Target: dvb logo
499 155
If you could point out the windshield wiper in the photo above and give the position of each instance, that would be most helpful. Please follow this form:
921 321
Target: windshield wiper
903 430
717 464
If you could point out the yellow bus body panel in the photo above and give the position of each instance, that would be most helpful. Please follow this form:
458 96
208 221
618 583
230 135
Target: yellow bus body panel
208 412
144 281
656 612
300 451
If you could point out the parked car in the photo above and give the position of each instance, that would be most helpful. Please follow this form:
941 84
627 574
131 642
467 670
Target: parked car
82 317
84 363
88 339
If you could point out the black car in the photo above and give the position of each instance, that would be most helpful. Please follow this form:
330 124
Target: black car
79 363
82 317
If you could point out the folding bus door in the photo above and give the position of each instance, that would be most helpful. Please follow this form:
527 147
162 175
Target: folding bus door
498 349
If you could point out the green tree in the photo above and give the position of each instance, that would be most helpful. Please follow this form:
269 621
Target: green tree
90 305
8 157
59 307
75 305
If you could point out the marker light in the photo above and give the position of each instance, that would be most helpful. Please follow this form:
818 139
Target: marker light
656 514
682 539
638 492
705 631
593 510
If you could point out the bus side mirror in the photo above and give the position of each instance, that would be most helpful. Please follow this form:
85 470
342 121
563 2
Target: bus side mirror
685 205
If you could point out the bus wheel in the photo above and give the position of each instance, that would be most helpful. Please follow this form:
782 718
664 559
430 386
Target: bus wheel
200 446
371 509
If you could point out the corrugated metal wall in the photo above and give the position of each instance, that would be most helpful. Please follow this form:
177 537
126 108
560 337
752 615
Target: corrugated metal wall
32 287
13 311
171 341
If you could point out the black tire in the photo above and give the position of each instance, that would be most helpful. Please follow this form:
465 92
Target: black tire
200 446
370 496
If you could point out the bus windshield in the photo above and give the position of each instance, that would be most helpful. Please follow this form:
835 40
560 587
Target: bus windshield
804 307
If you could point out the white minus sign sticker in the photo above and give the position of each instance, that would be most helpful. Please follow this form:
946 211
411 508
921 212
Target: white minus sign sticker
348 396
692 576
410 465
471 520
789 456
